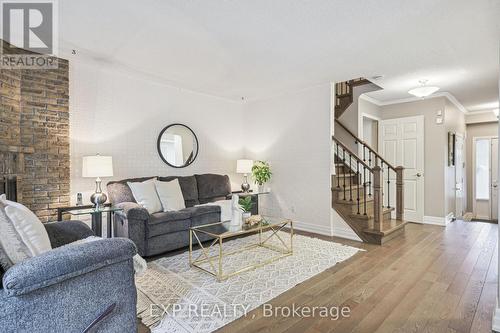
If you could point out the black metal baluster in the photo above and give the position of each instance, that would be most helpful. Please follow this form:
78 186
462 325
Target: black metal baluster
364 189
350 178
338 168
382 181
370 174
358 185
364 153
343 164
388 188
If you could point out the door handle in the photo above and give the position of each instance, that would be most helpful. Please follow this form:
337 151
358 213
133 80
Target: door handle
418 174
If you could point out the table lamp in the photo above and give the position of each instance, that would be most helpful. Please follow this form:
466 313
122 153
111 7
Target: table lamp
97 166
244 167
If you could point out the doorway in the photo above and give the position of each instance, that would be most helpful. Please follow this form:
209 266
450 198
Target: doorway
485 178
459 175
368 130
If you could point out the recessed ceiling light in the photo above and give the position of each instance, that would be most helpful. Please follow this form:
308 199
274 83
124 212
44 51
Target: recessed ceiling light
423 90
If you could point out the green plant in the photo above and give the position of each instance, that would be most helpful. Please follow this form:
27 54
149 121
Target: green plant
261 172
246 203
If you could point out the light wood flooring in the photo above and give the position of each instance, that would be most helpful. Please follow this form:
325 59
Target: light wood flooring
433 279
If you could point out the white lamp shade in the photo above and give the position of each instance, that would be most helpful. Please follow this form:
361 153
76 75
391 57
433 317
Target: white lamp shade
244 166
97 166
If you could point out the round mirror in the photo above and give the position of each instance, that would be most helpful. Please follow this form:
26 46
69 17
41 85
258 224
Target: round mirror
177 145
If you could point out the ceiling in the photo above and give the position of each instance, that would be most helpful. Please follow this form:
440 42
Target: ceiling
260 48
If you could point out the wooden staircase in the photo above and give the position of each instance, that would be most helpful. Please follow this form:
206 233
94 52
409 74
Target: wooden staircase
344 95
360 187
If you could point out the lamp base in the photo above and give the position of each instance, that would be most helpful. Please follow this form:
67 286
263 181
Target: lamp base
98 198
245 187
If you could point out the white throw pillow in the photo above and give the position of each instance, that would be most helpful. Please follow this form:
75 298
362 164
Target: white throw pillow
145 195
170 194
27 225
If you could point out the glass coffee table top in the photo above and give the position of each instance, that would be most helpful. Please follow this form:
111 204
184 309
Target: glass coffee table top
94 210
226 230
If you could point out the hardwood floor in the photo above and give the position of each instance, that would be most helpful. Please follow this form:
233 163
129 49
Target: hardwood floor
433 279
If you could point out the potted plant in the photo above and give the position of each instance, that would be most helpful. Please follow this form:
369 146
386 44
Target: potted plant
246 205
261 173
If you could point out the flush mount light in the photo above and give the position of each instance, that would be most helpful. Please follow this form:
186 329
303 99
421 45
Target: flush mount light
423 90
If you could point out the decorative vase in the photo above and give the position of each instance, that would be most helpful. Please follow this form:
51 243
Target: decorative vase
245 216
236 211
261 188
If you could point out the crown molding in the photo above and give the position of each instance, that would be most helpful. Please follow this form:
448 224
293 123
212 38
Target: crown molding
481 112
446 95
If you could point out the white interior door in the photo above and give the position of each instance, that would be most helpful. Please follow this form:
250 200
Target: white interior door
401 143
459 175
494 178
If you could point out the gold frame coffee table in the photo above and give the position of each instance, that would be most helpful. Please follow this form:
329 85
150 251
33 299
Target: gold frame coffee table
223 230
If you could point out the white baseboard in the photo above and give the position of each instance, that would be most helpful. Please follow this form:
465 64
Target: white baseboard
435 220
495 323
314 228
449 218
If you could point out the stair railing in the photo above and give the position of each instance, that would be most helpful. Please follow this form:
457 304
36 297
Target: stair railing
387 173
353 169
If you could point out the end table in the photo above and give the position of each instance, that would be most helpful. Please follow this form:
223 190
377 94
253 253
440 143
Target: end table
97 217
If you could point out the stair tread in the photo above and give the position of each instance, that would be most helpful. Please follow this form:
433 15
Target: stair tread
346 175
388 227
354 200
369 216
341 188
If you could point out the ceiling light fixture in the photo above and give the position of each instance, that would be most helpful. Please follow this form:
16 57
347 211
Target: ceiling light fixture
423 91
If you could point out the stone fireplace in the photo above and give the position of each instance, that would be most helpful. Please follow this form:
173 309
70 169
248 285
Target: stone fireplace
34 137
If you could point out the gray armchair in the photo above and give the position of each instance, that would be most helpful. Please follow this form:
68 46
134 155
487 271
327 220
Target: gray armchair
77 288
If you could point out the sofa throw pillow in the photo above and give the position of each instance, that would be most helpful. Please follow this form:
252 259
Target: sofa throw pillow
28 226
145 195
170 195
12 247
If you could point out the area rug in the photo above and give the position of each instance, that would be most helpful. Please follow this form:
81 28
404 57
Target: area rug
173 297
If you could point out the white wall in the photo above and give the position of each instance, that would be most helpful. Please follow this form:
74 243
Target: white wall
121 113
293 133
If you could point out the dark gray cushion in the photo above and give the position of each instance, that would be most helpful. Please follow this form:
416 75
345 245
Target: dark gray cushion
212 187
118 191
188 186
65 232
204 215
167 222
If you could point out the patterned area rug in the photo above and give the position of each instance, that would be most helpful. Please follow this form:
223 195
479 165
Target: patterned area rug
172 297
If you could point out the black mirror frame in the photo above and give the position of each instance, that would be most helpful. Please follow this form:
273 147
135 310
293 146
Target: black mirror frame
161 155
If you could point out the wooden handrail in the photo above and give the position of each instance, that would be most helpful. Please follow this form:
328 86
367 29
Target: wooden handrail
352 154
366 145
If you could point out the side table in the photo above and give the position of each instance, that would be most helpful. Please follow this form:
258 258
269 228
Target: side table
96 215
255 199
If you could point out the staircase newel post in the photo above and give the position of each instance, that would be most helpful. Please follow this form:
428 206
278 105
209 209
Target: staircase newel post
400 209
378 208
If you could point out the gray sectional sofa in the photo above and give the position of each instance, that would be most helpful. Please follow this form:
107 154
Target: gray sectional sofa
165 231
